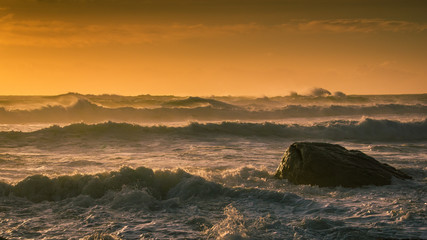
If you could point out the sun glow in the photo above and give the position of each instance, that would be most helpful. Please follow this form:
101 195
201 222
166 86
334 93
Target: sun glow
165 47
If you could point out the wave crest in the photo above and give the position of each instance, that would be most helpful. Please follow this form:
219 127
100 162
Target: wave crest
364 130
195 109
39 188
130 188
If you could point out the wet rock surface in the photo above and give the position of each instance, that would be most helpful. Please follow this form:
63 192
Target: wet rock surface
331 165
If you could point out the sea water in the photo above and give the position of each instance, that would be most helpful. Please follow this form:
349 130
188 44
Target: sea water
164 167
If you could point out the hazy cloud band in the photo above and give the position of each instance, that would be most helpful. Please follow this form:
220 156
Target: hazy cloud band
68 34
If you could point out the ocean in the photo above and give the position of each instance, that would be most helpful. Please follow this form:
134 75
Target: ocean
79 166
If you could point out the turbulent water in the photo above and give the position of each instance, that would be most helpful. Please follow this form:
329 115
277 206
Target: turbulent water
164 167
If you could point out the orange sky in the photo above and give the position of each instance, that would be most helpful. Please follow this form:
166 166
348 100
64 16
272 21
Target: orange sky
212 47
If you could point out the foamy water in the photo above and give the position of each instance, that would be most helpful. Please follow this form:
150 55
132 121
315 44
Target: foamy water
114 167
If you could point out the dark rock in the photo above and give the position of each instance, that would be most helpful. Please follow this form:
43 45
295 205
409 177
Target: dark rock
330 165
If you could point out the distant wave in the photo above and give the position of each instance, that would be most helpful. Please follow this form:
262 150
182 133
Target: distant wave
200 102
317 96
86 111
364 130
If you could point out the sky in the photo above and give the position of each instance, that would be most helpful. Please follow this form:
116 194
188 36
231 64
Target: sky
212 47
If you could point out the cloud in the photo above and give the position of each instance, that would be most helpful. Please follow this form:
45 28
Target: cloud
68 34
44 33
354 26
6 17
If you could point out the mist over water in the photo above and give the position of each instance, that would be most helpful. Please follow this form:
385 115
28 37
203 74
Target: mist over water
166 167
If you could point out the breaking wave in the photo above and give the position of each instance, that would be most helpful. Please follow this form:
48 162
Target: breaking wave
199 102
364 130
194 109
39 188
140 186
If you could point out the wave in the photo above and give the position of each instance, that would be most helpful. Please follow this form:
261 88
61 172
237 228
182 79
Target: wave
317 96
39 188
141 187
364 130
197 109
199 102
